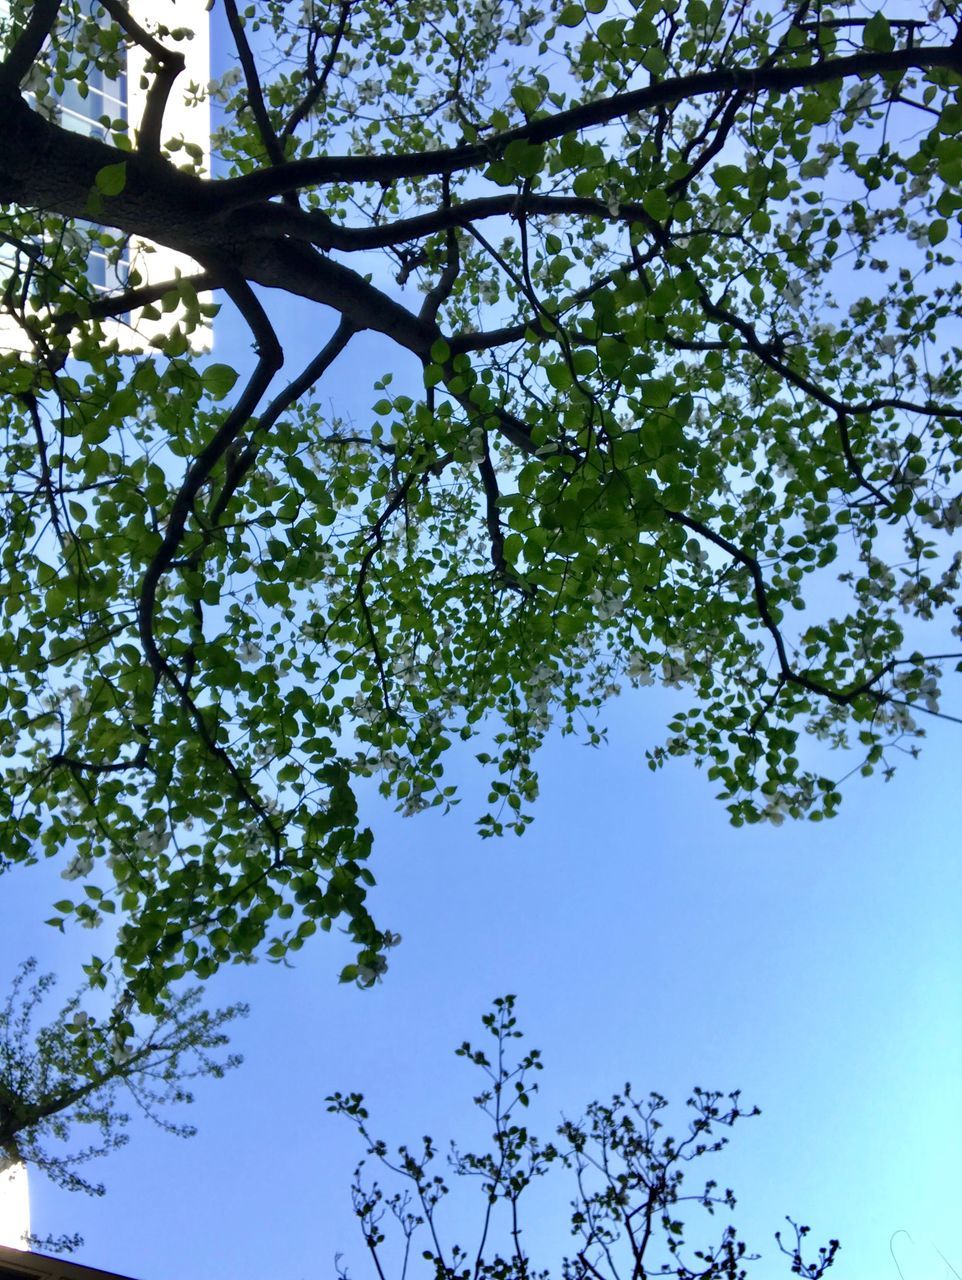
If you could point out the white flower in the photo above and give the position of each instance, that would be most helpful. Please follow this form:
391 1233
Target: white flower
80 1020
607 604
120 1052
474 444
368 974
696 553
153 841
249 652
900 718
390 939
861 97
406 668
78 866
674 671
413 804
219 90
774 812
363 709
639 670
952 515
929 689
887 345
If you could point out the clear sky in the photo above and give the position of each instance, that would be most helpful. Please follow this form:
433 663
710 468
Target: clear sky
816 967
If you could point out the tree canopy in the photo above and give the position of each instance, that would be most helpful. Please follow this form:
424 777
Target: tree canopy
69 1075
673 293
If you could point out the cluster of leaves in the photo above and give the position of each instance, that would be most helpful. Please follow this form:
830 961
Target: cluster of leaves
664 411
70 1073
628 1175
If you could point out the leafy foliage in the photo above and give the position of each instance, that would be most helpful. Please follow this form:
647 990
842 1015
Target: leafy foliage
673 289
628 1174
69 1074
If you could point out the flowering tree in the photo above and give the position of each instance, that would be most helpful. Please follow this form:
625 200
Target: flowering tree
672 293
70 1074
628 1177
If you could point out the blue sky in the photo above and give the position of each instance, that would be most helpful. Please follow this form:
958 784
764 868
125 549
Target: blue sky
813 966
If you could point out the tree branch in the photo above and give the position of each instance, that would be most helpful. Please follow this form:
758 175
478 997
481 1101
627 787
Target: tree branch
318 229
170 63
318 89
752 81
255 94
280 404
28 44
788 672
118 304
270 360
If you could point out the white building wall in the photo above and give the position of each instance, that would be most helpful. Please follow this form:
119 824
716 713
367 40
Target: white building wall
14 1206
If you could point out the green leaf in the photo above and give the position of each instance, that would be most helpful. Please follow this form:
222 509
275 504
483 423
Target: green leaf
559 375
572 15
525 160
218 380
877 34
111 179
729 176
654 60
657 204
528 97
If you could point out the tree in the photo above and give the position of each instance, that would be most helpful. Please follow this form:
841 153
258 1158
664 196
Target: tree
70 1074
628 1184
671 290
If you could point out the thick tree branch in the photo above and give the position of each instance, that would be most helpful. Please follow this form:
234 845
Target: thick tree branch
320 230
44 166
169 64
492 520
751 81
437 296
270 360
311 374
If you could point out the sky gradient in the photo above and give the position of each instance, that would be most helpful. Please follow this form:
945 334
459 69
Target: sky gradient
813 966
